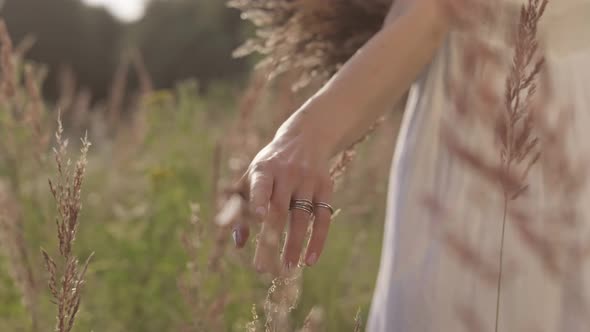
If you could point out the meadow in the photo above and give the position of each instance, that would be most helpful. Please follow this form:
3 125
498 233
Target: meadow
108 210
157 172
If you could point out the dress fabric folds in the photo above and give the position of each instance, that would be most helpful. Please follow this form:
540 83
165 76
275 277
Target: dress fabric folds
439 271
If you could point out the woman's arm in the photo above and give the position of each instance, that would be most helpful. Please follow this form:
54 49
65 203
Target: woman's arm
376 77
295 164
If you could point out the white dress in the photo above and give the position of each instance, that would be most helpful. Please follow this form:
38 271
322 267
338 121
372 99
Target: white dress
439 270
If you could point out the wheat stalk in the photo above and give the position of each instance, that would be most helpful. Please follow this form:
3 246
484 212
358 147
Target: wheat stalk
511 119
66 284
515 131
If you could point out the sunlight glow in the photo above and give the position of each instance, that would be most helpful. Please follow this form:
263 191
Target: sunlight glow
126 10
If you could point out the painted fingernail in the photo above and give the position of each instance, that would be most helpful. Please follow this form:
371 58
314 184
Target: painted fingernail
312 259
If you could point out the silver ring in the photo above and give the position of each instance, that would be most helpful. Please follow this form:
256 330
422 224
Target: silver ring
302 204
303 208
325 206
302 201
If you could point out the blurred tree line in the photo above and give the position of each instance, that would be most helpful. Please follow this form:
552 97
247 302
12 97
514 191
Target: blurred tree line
177 39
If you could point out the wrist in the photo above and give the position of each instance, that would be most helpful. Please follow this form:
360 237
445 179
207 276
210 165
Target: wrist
312 121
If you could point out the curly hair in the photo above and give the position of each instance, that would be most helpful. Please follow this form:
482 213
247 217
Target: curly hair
312 37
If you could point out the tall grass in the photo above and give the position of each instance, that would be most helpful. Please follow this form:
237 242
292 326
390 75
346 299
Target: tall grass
66 281
152 270
527 133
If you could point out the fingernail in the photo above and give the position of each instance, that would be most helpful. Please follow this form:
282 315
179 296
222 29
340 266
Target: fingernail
312 259
237 238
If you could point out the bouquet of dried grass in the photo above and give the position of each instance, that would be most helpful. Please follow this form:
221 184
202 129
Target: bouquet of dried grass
312 37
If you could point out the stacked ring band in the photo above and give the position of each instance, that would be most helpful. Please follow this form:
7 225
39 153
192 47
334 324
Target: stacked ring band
308 206
302 204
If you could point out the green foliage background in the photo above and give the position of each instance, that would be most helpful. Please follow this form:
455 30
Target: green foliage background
143 175
136 206
179 39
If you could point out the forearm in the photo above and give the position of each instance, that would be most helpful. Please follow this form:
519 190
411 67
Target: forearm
375 78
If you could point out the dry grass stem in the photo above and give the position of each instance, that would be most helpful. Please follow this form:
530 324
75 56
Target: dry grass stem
518 119
358 321
189 282
7 65
314 320
67 279
117 92
282 298
14 247
146 85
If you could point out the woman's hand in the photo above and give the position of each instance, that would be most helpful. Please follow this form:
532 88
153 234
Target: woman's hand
294 166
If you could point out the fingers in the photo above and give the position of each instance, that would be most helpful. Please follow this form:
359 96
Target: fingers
266 257
321 223
270 194
298 225
256 186
261 185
